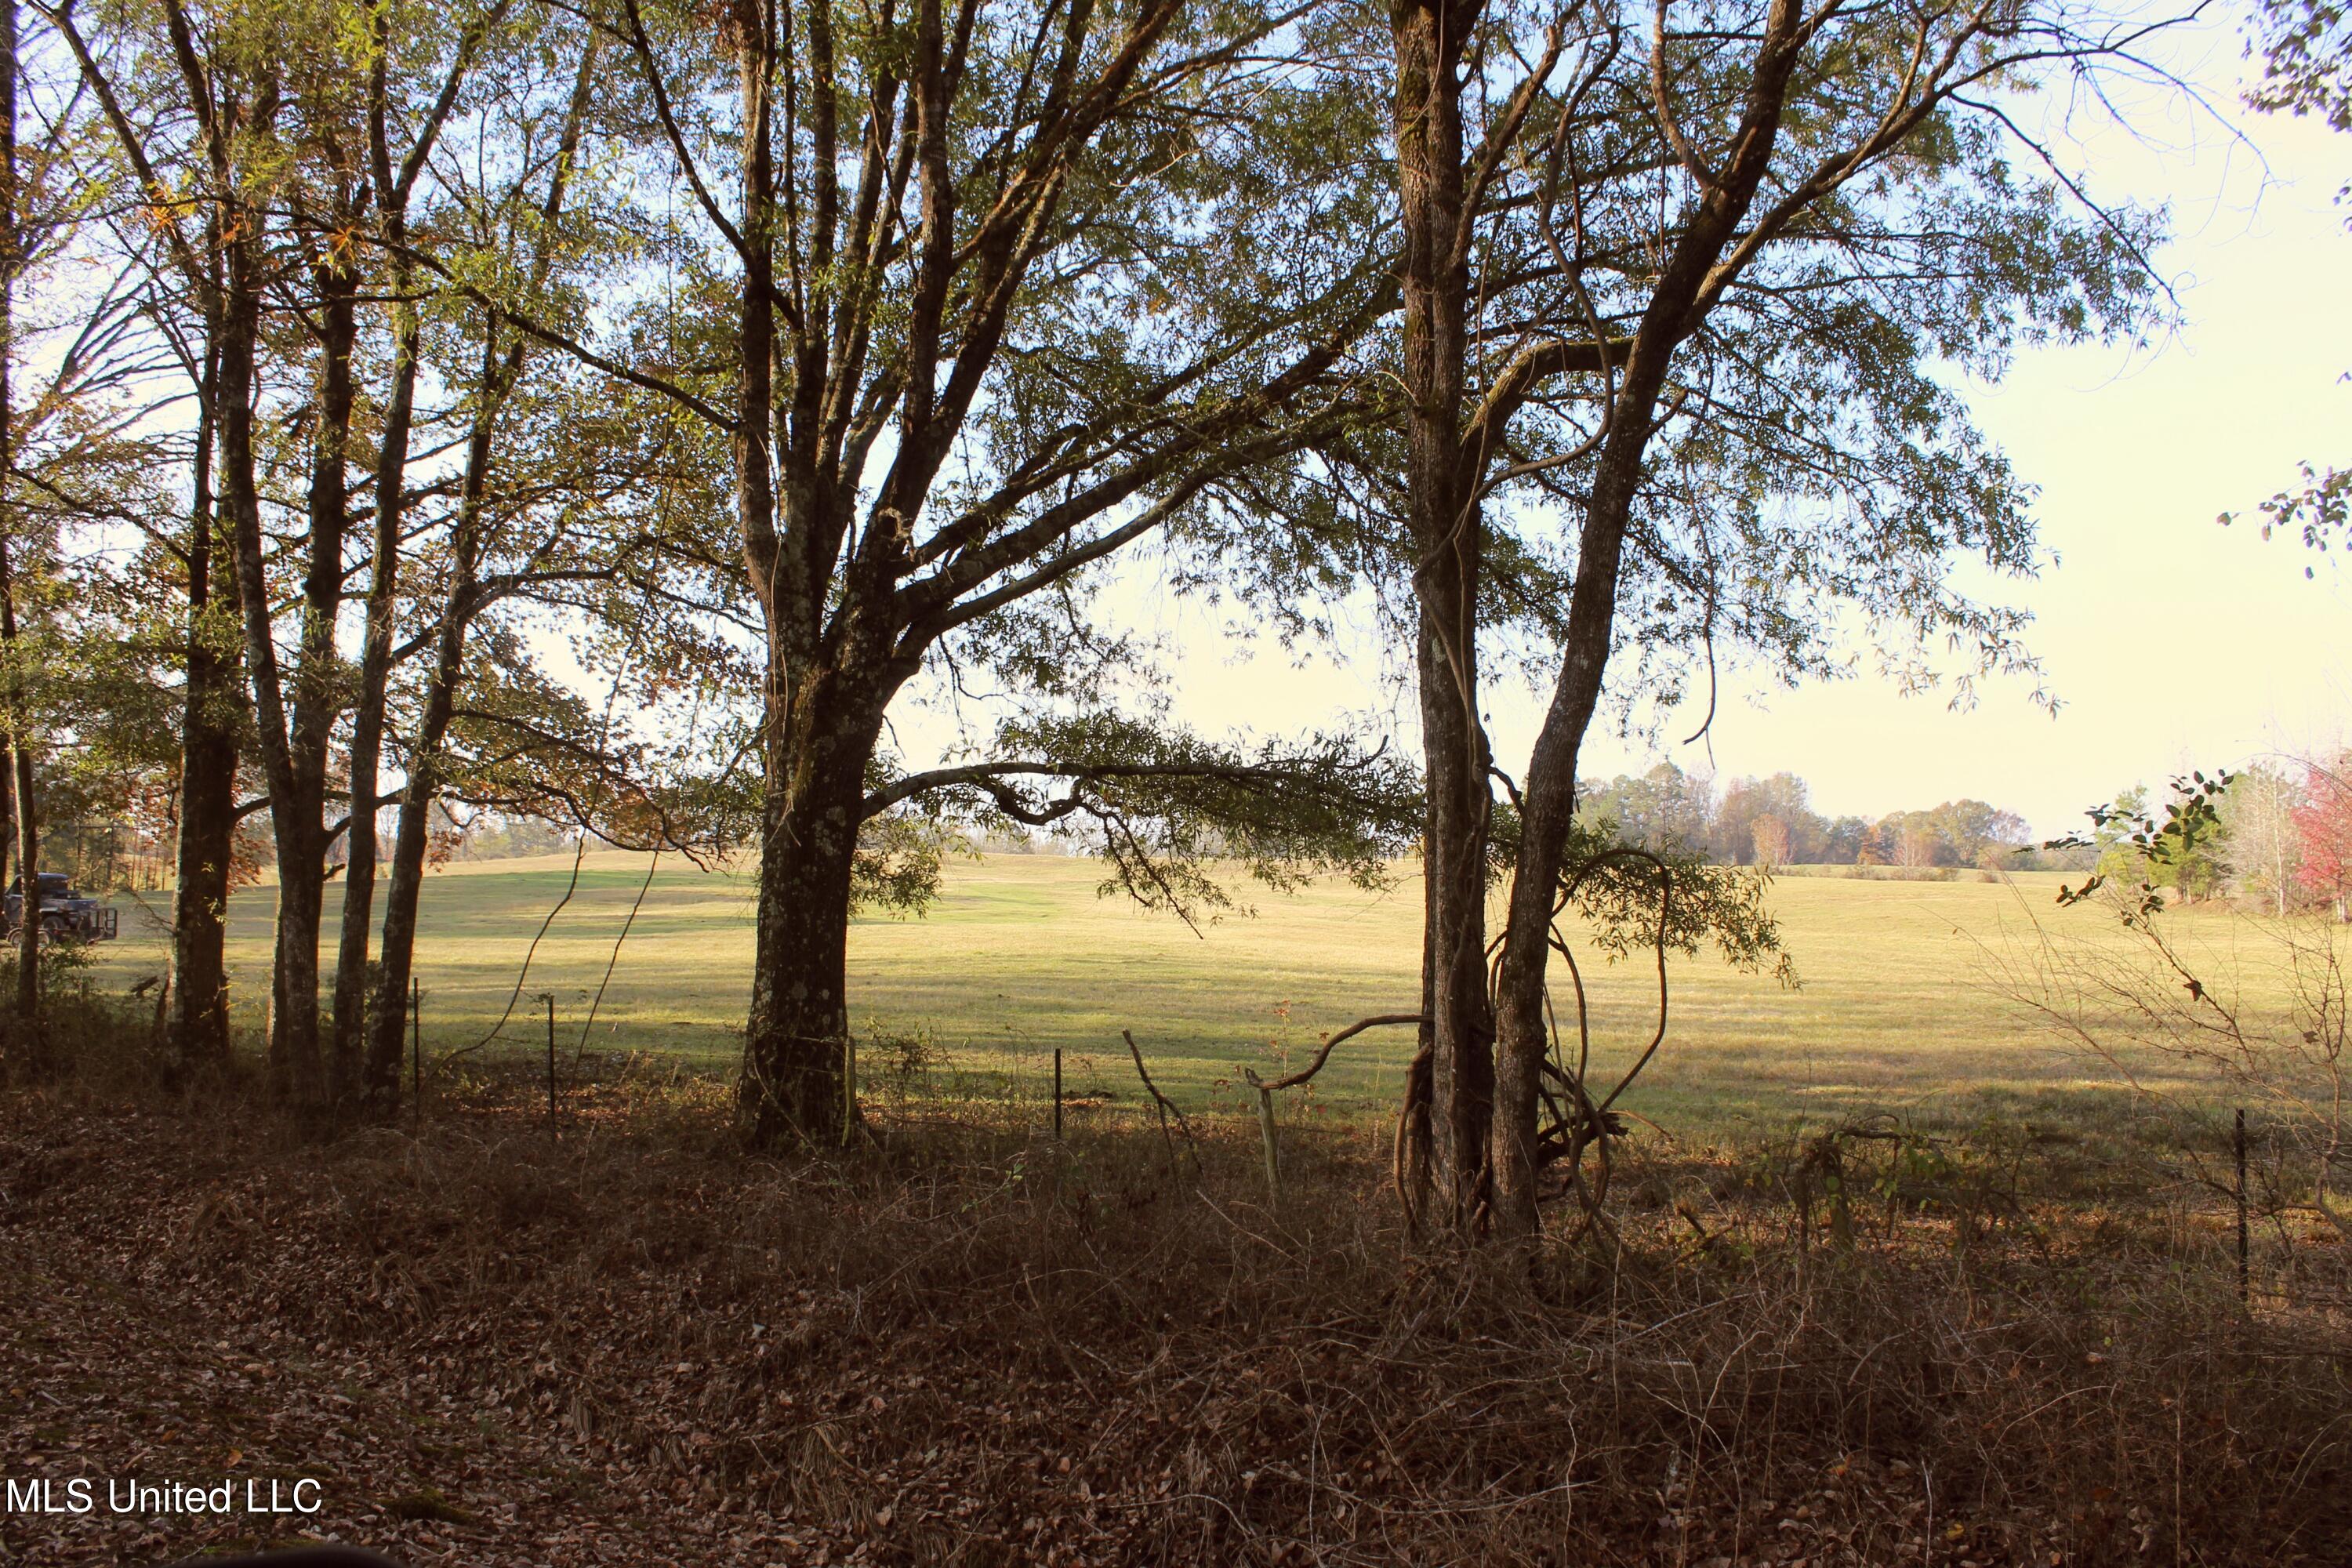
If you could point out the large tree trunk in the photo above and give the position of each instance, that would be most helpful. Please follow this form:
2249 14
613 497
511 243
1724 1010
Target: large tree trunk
795 1085
1459 1032
197 1023
1445 527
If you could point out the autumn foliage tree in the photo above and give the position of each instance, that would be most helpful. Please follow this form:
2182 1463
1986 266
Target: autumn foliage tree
2322 829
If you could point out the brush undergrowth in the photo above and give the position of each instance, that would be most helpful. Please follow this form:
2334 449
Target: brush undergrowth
964 1342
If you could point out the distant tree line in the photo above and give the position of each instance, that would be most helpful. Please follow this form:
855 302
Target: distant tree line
1770 822
2282 844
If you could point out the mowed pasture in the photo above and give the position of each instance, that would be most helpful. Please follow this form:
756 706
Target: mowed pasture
1898 1006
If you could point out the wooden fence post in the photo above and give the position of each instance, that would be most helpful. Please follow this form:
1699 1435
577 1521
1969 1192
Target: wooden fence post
1265 1130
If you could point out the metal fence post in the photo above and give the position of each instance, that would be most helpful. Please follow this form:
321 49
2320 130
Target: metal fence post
415 1049
2245 1270
550 1059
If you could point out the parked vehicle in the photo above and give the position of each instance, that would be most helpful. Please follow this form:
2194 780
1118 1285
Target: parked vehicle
64 915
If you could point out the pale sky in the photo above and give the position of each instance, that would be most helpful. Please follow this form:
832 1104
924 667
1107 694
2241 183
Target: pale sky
2169 641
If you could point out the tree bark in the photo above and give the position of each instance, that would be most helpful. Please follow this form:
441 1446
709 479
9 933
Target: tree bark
405 884
29 925
1687 283
28 862
1443 524
293 1039
7 822
795 1086
381 1069
20 759
197 1023
351 998
300 820
413 835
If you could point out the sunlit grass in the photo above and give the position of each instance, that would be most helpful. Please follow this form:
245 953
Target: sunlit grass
1897 1009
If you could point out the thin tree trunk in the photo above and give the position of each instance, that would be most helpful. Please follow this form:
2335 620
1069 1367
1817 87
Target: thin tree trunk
28 859
413 829
7 822
20 756
1549 791
413 835
404 881
1687 283
301 820
351 998
293 1048
28 870
197 1023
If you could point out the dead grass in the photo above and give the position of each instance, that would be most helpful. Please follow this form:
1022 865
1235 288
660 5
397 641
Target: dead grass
965 1344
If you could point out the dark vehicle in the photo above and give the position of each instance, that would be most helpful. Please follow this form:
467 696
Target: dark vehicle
66 915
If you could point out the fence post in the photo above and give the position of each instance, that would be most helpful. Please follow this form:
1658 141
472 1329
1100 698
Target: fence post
2244 1271
1057 1094
415 1049
1265 1128
550 1059
848 1088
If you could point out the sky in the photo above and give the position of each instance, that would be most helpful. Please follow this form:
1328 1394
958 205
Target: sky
2169 641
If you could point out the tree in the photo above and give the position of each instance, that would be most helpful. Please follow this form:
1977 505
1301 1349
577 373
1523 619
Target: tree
211 201
1747 802
19 720
2118 838
1845 839
1807 124
70 419
1912 839
1004 295
2322 829
1660 810
416 83
2259 813
1976 833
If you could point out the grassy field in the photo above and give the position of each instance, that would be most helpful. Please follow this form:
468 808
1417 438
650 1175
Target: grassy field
1895 1010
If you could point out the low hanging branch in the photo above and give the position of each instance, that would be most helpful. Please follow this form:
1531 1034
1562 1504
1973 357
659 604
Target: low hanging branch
1265 1091
1172 811
1377 1021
